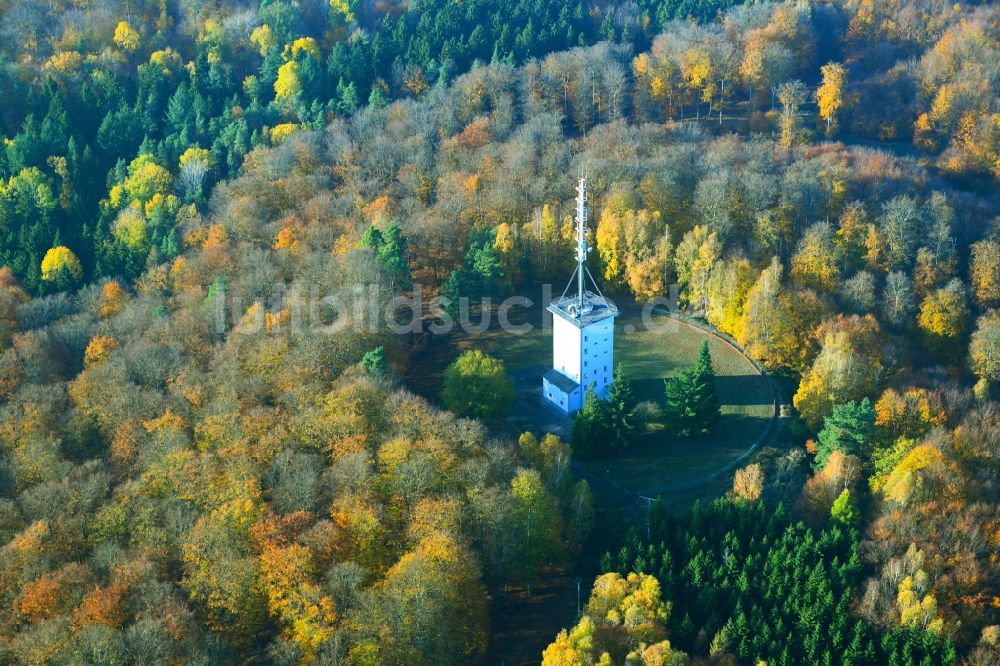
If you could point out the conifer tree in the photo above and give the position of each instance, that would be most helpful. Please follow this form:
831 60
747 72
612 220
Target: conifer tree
850 430
679 409
708 399
390 248
692 405
373 362
393 257
590 432
451 293
373 239
843 510
621 405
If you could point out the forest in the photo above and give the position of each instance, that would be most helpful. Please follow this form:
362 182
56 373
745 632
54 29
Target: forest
197 467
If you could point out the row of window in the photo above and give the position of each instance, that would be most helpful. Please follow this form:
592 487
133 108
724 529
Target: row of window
605 351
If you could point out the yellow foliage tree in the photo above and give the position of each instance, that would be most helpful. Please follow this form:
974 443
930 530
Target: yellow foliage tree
696 68
751 67
917 606
729 285
758 328
830 95
748 483
61 264
294 599
126 37
167 59
506 247
852 231
146 178
625 615
303 46
984 271
902 481
344 8
281 132
848 367
814 264
659 654
944 314
640 65
634 246
287 84
363 529
435 585
433 515
633 602
657 88
572 648
130 228
288 239
98 350
611 246
263 38
65 63
694 259
908 414
791 95
197 155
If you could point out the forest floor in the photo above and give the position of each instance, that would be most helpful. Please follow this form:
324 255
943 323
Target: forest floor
682 471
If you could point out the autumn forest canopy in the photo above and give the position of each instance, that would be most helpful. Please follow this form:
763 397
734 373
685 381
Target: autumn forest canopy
190 473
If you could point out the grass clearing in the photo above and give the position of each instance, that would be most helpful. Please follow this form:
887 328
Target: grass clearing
648 353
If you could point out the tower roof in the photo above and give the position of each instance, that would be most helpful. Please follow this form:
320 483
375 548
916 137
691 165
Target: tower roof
595 308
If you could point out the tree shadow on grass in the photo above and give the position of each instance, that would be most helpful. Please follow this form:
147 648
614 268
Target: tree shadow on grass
741 390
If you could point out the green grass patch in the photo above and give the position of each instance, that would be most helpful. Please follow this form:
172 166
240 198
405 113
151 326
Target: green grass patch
659 462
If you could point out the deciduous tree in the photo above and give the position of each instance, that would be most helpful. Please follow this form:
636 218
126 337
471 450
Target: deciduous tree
748 483
984 273
830 95
849 367
61 267
791 94
984 350
477 385
696 255
944 316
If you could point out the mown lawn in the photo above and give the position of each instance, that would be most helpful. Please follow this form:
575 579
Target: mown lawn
648 353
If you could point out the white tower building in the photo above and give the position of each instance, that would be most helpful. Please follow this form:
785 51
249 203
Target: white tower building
583 331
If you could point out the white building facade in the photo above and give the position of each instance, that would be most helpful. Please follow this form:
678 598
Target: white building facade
583 332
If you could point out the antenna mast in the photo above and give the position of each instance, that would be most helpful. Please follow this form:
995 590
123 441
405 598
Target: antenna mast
581 238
